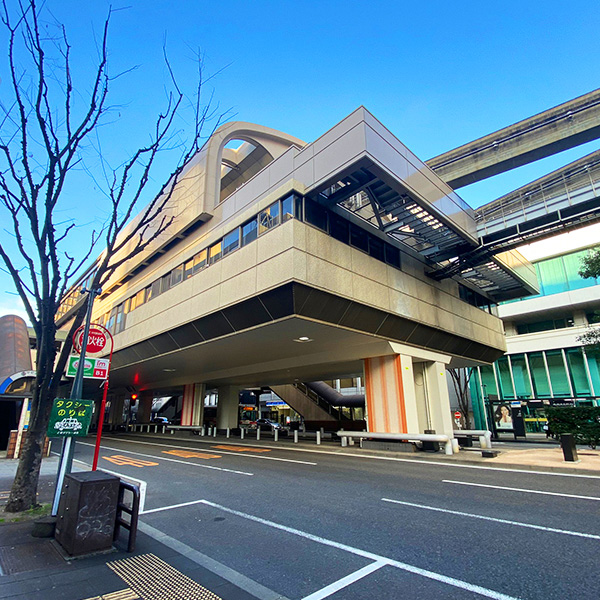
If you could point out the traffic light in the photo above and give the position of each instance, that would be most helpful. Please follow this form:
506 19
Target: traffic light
133 399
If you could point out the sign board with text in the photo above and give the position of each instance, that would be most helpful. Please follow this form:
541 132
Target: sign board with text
93 368
70 417
98 337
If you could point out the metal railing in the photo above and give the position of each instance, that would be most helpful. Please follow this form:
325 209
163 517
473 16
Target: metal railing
133 510
408 437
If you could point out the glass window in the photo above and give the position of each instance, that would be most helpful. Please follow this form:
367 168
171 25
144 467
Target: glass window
119 319
376 248
315 214
359 238
165 283
520 376
140 298
552 277
268 218
231 241
287 208
488 381
539 376
111 320
392 255
249 231
215 252
593 360
200 260
503 371
177 275
188 269
339 228
298 207
127 305
153 290
558 375
577 372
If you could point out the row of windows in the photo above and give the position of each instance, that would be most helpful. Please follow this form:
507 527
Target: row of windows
547 374
547 325
292 206
74 295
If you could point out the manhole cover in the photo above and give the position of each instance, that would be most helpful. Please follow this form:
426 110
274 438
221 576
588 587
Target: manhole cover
28 557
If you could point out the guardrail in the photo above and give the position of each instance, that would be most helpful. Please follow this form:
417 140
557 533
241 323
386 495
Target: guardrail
485 437
408 437
135 426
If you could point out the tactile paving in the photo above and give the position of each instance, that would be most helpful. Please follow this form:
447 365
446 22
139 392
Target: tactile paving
154 579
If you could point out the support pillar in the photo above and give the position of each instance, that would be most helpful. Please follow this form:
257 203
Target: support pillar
192 408
228 407
115 413
438 398
390 394
144 412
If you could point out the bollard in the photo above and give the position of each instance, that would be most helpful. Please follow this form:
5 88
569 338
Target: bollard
295 436
228 433
242 431
569 448
344 441
202 431
215 431
276 435
455 446
258 433
318 438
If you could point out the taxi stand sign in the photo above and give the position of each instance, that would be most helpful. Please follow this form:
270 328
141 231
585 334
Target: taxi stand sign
70 418
93 368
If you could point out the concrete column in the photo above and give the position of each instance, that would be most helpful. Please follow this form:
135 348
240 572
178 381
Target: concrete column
145 407
192 407
115 414
390 394
228 407
438 398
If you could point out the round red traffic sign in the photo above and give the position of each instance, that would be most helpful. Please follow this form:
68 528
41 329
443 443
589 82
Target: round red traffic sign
457 415
97 339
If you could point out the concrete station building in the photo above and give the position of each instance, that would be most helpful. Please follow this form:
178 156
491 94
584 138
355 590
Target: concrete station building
289 262
348 258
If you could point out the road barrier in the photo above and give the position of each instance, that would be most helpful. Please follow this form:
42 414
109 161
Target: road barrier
407 437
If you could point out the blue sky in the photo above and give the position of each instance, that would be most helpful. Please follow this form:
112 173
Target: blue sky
437 74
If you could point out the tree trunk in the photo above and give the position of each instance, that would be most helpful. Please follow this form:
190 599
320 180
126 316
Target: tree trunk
23 495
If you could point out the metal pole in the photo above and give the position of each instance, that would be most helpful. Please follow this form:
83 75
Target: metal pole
66 457
103 408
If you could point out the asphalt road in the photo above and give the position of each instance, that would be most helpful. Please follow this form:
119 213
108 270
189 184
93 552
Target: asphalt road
311 525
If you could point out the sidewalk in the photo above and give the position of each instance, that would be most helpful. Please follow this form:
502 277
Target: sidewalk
33 568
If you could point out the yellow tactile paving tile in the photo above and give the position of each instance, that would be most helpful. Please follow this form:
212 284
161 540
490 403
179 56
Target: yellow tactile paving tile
240 449
125 594
154 579
188 454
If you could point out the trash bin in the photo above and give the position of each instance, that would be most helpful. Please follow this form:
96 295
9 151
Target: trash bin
86 512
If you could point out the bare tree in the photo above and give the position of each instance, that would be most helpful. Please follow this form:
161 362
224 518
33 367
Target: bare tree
460 380
44 129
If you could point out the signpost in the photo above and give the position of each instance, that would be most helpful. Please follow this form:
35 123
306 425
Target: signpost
93 368
70 417
96 342
457 414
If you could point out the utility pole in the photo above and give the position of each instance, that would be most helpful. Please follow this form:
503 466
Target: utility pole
68 448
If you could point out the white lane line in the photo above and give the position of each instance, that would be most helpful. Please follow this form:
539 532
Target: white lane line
153 510
464 585
511 489
340 584
140 482
183 462
243 454
591 536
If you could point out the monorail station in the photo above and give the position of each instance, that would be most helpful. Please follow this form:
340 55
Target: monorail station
289 263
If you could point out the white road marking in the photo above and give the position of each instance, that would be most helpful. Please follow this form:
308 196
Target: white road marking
183 462
503 521
464 585
290 460
141 483
408 460
511 489
153 510
340 584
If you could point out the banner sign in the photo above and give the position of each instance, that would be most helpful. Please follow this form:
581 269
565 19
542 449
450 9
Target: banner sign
70 417
93 368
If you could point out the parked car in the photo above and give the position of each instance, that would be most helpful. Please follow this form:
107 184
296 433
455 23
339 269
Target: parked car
266 423
161 420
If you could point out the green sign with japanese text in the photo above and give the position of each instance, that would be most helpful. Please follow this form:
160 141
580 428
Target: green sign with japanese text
70 417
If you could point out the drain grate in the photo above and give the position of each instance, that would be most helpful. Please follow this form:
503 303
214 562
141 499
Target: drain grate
154 579
22 558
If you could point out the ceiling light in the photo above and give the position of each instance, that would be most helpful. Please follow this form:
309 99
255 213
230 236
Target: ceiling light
303 339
